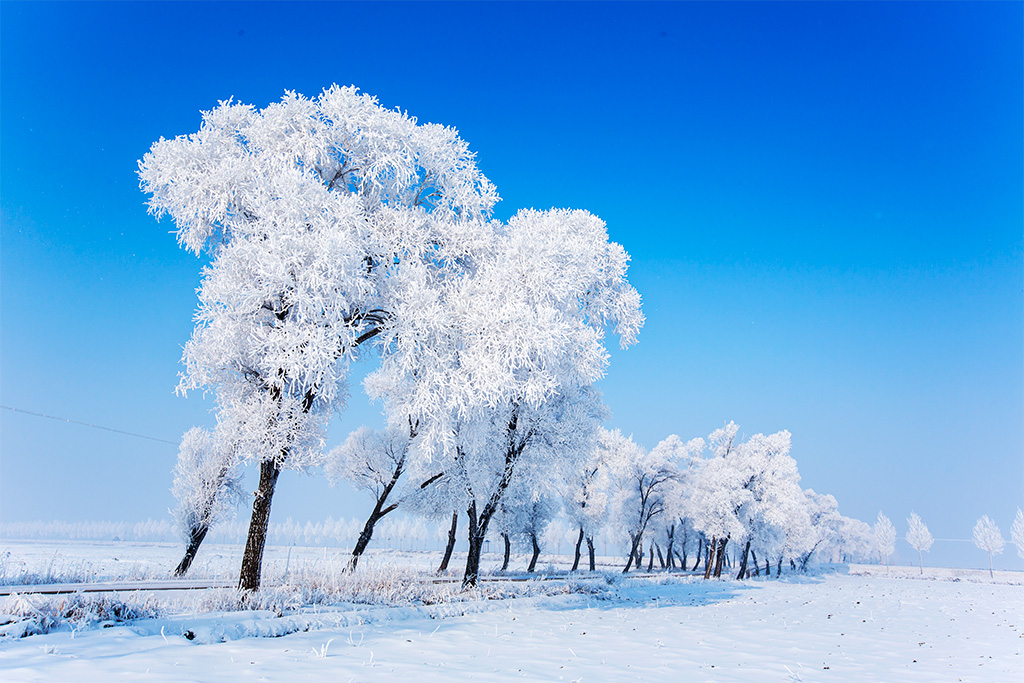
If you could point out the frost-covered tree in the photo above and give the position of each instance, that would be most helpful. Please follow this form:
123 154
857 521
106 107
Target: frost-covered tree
586 497
207 486
319 216
1017 532
501 363
988 538
919 538
375 462
885 538
643 479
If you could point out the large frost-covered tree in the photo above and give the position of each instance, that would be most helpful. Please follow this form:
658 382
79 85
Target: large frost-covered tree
319 216
919 538
988 538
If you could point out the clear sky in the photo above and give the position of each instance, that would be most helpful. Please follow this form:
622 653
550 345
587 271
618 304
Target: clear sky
823 202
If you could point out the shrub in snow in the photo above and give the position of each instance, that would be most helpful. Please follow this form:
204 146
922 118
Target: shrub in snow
988 538
918 536
23 615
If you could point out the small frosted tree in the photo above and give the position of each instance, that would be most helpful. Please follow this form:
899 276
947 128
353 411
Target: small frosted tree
988 538
885 538
919 538
207 486
1017 532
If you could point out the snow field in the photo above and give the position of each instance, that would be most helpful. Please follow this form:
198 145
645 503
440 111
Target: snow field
830 627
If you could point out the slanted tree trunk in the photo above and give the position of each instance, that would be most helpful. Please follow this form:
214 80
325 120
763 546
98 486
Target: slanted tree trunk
700 550
252 558
721 556
635 542
590 551
650 558
743 563
536 552
576 556
195 539
753 559
710 547
508 552
478 522
378 513
661 558
451 543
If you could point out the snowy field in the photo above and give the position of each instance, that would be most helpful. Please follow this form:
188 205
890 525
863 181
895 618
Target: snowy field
958 625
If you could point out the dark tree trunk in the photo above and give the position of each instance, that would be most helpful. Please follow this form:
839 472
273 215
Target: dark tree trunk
508 552
721 556
668 548
753 560
778 571
661 558
709 547
252 559
195 539
590 551
743 562
478 523
536 553
635 542
576 557
376 514
768 568
451 543
650 558
476 542
700 550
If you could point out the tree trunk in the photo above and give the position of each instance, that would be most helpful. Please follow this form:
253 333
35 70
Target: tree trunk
451 543
700 550
661 558
634 545
743 563
778 571
590 551
710 547
252 558
476 543
650 558
753 559
195 539
721 556
576 557
536 553
920 560
508 552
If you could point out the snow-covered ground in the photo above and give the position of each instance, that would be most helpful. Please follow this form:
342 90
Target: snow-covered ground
833 626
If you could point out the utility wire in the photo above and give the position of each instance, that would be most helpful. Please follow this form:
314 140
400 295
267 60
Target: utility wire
86 424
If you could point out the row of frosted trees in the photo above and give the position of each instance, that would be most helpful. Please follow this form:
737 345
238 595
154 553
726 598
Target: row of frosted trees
985 535
334 230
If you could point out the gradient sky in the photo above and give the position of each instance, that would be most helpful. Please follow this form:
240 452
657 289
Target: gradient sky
823 202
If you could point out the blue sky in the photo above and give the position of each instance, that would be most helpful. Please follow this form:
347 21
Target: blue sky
823 202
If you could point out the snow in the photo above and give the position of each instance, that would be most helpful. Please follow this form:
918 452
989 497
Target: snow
861 626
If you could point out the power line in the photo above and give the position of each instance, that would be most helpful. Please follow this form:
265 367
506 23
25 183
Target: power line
87 424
